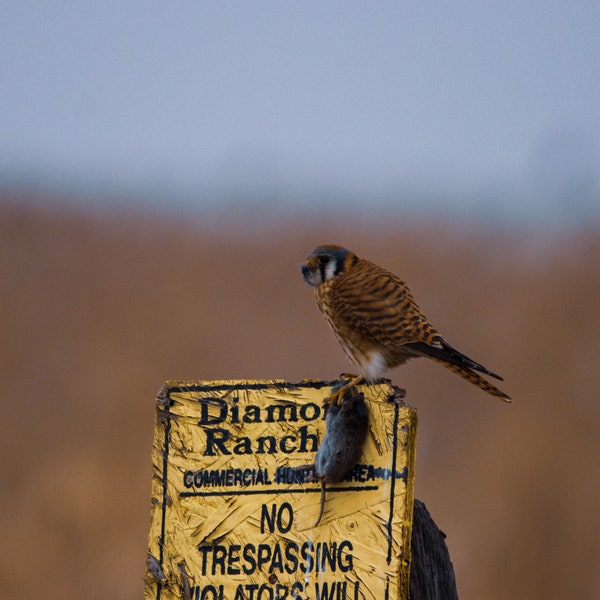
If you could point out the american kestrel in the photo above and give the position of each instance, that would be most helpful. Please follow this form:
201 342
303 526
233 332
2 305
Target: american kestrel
377 321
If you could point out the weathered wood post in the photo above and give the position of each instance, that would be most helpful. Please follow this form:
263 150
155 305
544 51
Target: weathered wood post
234 519
431 572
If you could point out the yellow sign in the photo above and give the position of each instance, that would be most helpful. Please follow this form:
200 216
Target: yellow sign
233 518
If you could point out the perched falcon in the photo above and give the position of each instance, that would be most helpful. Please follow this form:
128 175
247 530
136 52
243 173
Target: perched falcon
376 320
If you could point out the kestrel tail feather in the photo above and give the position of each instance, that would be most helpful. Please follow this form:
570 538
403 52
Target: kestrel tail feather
445 352
475 379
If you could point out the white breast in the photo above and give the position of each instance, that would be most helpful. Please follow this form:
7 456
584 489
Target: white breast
372 366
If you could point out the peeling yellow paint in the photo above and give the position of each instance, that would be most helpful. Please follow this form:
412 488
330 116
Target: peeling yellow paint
232 521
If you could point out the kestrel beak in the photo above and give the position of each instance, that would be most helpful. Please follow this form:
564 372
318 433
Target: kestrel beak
307 273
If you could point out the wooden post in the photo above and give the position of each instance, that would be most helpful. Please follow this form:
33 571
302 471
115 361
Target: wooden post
431 572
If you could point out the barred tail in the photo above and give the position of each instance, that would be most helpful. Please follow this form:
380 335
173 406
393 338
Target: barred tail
458 362
475 379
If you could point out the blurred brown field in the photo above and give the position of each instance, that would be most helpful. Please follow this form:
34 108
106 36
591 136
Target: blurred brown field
98 309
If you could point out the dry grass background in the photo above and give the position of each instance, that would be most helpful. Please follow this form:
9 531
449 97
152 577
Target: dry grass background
99 309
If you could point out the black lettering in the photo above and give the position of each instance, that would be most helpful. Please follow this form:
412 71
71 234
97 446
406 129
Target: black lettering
281 409
232 558
284 520
281 592
281 475
214 478
216 438
307 557
362 473
289 475
252 414
326 556
247 477
211 419
305 437
310 411
234 410
325 592
283 444
188 479
268 595
212 590
239 593
287 507
243 446
204 551
219 556
291 556
263 555
262 476
277 560
345 561
249 587
250 562
262 440
269 518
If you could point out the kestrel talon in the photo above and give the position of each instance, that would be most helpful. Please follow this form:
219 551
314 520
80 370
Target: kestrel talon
377 321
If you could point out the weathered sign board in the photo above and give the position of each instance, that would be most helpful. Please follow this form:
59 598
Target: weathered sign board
234 519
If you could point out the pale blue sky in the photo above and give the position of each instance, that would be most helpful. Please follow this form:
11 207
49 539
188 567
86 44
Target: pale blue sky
489 108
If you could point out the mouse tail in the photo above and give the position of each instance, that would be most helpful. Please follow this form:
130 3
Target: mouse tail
322 505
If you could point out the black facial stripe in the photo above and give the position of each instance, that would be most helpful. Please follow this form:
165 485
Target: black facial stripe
322 271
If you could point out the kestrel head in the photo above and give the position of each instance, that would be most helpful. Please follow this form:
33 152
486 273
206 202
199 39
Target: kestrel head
326 262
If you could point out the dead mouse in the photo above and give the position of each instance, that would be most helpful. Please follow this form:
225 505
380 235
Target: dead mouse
346 430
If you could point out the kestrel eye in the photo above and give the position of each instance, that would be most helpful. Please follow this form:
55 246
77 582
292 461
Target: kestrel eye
323 260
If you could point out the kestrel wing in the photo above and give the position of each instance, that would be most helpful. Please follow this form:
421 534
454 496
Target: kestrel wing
377 306
380 306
